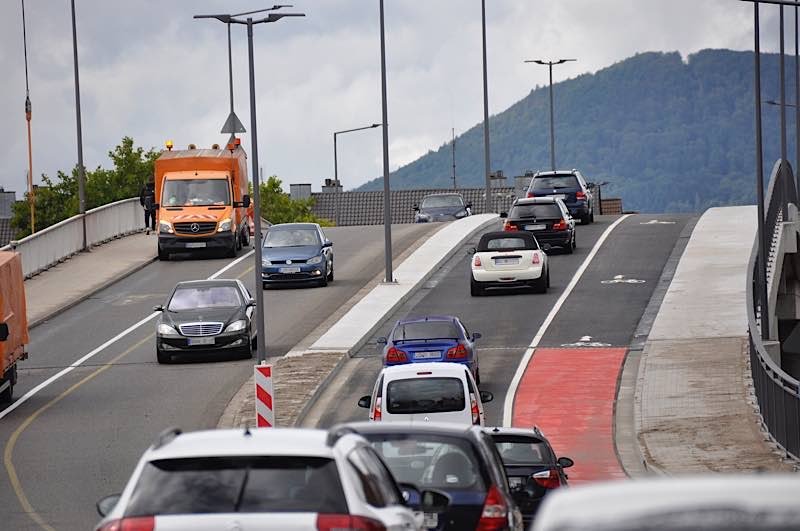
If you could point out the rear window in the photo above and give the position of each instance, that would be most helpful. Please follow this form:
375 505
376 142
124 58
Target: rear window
424 395
551 211
425 330
506 243
555 182
431 460
516 450
248 484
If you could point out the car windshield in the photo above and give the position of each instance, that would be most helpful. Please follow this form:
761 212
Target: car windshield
555 182
424 395
440 201
425 330
430 460
190 298
291 238
245 484
516 450
195 192
546 211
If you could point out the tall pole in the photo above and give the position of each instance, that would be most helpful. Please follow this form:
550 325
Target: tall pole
336 179
552 127
230 67
762 241
783 107
454 160
28 115
261 338
487 163
387 199
81 170
796 101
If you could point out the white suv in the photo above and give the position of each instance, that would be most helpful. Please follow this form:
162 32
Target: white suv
286 479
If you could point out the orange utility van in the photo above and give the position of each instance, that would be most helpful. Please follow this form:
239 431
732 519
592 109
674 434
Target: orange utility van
13 321
202 201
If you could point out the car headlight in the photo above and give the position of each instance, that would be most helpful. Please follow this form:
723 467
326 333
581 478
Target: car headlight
236 326
425 217
224 225
165 226
166 330
315 260
265 262
461 214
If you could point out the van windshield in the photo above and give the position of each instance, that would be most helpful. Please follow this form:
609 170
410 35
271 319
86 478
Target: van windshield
425 395
195 192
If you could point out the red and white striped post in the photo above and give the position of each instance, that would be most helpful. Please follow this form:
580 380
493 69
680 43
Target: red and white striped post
265 412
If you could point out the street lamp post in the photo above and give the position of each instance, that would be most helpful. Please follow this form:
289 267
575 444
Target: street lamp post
762 242
487 162
249 22
28 115
550 64
387 199
81 170
336 164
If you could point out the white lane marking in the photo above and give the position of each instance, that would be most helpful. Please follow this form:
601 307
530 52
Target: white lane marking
30 394
620 279
657 222
508 405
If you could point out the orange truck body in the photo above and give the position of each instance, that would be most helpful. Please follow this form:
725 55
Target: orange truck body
14 316
202 201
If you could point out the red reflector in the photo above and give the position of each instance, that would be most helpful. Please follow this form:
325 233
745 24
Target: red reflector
141 523
495 512
395 355
547 479
376 413
477 261
561 225
424 373
536 259
457 353
580 195
476 412
347 522
530 194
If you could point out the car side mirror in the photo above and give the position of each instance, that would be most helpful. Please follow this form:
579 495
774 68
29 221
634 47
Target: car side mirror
381 341
107 504
251 302
365 401
416 208
3 331
565 462
327 243
246 201
503 215
469 205
476 335
546 247
486 396
159 308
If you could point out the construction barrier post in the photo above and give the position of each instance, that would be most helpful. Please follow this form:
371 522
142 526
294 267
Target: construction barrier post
265 411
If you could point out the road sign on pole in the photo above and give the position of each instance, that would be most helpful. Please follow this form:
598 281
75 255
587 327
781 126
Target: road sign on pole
265 405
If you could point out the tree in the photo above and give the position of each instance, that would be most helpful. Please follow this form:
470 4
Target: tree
278 207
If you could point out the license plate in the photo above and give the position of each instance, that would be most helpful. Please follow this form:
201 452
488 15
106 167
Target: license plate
535 227
195 245
430 520
290 270
514 482
427 355
506 261
193 341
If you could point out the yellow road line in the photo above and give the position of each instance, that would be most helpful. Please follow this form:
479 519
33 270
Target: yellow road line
249 269
12 441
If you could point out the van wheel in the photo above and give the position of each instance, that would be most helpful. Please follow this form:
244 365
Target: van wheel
11 377
163 256
231 253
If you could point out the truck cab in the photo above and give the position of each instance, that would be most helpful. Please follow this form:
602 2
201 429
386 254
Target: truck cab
202 201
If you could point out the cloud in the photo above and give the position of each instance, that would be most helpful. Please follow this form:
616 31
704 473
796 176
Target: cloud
148 70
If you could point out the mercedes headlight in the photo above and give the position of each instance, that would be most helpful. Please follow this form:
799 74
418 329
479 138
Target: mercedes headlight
236 326
224 225
315 260
165 226
461 214
167 330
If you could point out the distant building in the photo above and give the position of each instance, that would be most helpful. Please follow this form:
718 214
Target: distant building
7 200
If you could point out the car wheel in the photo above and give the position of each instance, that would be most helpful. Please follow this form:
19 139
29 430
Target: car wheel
571 245
330 273
477 376
231 253
591 216
163 255
324 280
246 237
540 284
475 288
8 394
163 357
548 277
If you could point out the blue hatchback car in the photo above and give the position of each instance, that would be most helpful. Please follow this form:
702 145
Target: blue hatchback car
431 339
296 252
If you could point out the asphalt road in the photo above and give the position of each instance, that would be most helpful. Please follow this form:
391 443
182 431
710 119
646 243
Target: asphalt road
609 312
79 438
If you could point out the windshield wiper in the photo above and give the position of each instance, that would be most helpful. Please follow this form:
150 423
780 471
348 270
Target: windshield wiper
240 496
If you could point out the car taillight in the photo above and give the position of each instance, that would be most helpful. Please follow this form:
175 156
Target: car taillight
580 195
376 412
508 226
536 260
495 512
347 522
476 413
561 225
547 479
140 523
395 355
457 353
477 261
530 194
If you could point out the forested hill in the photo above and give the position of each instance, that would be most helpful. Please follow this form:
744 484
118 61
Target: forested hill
668 135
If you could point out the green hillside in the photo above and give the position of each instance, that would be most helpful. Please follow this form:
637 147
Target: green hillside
668 135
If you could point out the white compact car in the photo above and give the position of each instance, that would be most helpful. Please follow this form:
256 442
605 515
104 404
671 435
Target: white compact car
509 259
269 478
426 392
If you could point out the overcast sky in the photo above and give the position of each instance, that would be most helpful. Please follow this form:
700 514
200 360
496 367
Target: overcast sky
149 71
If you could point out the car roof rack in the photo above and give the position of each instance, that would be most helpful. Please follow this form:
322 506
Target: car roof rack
166 437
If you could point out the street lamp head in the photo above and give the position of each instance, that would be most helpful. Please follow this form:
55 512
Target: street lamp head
373 126
222 18
562 61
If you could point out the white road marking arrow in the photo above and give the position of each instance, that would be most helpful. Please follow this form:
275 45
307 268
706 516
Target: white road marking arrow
657 222
620 279
585 341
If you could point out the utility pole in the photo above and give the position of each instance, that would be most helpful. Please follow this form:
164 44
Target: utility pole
28 114
387 198
81 169
454 160
487 163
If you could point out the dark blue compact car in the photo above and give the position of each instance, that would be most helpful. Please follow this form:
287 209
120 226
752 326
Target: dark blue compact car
431 339
570 187
296 252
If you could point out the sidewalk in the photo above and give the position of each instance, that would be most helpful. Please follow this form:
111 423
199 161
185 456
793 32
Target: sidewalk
692 406
74 280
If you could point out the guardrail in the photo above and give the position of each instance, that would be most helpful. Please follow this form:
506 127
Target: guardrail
777 393
58 242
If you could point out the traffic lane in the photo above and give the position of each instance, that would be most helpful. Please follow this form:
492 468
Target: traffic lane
507 320
130 402
620 280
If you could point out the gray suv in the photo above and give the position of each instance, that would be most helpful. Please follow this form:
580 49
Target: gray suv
570 187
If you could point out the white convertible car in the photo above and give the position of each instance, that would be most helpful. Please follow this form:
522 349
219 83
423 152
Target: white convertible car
509 259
